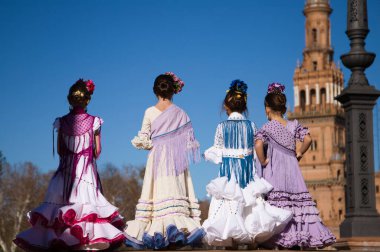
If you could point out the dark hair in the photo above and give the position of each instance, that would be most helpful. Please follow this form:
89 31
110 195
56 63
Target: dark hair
164 86
276 101
236 97
79 96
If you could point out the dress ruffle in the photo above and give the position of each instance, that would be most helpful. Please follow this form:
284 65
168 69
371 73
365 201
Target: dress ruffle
241 215
142 141
306 228
159 233
76 226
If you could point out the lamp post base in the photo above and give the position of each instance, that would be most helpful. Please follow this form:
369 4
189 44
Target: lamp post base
358 244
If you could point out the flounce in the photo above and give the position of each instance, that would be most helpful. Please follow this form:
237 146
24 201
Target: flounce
241 215
221 188
214 154
306 228
159 233
142 141
77 226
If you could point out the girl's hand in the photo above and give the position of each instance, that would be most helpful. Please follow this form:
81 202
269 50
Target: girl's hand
299 156
265 162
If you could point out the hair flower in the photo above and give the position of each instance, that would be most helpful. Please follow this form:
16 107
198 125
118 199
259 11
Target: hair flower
276 87
90 86
238 86
178 83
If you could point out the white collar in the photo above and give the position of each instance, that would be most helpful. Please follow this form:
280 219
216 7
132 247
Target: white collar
236 116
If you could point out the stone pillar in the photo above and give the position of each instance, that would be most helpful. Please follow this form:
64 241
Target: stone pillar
328 93
317 98
296 98
362 221
307 94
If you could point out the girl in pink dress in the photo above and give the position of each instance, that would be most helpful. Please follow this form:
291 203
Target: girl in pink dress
75 215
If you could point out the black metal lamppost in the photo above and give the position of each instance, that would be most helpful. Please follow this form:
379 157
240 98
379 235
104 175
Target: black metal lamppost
358 100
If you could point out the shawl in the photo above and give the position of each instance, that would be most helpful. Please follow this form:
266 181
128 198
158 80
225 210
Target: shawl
174 142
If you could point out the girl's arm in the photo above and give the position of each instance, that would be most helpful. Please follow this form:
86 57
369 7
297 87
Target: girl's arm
304 147
98 144
259 148
142 141
214 153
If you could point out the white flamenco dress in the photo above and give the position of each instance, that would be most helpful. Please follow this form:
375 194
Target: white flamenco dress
238 213
167 212
74 215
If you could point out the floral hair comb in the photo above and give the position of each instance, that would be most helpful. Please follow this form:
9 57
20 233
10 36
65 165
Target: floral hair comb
90 86
276 87
238 86
178 83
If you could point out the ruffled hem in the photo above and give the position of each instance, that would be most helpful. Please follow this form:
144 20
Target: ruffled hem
67 240
56 216
77 226
241 215
157 234
221 188
300 204
318 236
306 228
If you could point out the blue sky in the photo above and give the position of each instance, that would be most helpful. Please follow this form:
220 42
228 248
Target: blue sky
45 46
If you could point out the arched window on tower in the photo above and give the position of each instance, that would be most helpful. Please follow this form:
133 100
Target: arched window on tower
314 36
323 98
302 100
315 65
313 97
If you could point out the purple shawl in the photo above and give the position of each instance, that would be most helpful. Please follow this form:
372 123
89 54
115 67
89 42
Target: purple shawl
279 137
173 134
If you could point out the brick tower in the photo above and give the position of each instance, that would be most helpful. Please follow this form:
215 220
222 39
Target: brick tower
317 80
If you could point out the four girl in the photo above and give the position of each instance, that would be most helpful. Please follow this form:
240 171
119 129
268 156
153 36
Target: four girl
259 196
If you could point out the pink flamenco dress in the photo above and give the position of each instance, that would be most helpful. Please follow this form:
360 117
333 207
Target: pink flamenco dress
74 215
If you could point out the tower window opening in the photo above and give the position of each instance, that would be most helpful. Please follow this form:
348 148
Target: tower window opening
303 100
340 214
377 189
313 97
313 145
323 97
338 174
315 65
314 35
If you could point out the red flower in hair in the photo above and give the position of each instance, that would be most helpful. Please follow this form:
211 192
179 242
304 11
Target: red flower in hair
90 86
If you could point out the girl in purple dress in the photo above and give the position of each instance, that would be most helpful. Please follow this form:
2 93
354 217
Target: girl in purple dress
75 215
281 169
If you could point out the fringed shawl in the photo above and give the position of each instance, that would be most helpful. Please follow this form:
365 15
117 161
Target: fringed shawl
174 142
238 135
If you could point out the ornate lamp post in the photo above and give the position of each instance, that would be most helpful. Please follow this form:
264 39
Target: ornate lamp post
358 100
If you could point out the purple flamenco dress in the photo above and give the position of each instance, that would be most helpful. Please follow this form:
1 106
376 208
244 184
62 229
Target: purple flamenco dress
74 215
306 229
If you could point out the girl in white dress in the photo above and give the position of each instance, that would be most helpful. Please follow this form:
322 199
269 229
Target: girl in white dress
238 213
75 215
167 213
